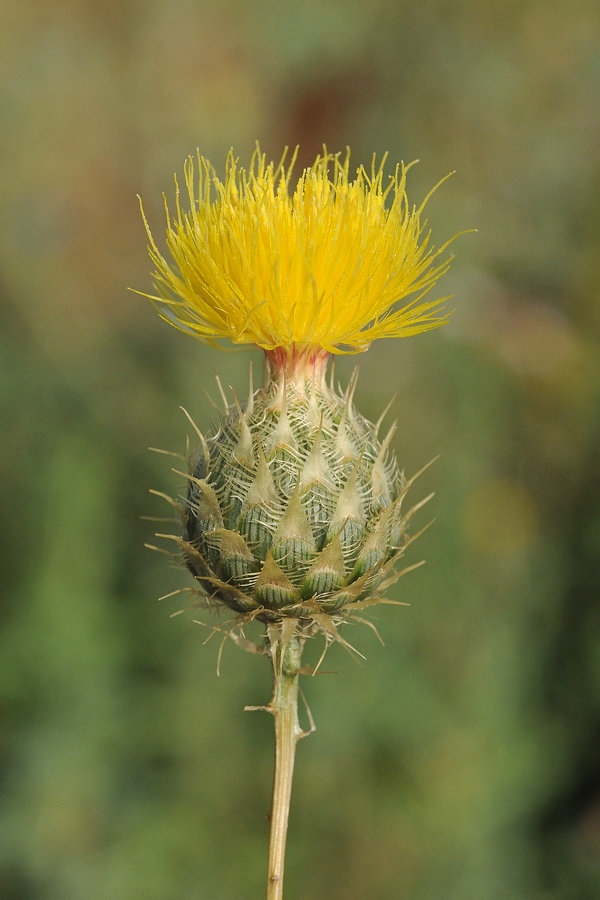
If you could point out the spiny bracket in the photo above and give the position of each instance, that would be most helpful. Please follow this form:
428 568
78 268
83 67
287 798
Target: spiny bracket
311 721
379 421
418 474
327 624
364 621
202 439
176 506
238 639
167 453
273 711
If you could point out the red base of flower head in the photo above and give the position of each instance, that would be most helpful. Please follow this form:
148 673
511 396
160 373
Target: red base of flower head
297 364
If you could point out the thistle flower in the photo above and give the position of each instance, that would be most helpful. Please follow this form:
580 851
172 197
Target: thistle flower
322 266
293 515
294 504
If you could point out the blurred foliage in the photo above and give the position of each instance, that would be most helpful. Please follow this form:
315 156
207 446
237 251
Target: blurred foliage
460 762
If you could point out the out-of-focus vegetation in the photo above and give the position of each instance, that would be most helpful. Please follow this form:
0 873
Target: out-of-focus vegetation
461 761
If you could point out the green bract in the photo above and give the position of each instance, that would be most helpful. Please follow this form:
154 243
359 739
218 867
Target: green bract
294 505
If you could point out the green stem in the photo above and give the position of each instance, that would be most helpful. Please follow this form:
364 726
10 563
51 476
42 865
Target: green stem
284 707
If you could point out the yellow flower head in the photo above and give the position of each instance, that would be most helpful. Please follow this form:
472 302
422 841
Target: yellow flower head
325 265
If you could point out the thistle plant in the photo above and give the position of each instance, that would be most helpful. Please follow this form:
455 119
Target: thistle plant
294 515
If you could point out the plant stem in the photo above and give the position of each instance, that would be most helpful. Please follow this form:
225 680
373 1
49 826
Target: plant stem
284 707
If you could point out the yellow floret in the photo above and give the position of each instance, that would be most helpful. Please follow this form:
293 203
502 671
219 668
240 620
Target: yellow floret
324 265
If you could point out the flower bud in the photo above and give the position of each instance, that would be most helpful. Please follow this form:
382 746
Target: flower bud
293 507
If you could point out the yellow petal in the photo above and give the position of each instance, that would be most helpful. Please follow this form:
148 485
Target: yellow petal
325 265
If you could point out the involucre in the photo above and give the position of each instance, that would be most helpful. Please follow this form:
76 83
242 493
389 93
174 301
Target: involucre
294 503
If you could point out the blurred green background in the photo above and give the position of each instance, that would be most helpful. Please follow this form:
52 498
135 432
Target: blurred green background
461 761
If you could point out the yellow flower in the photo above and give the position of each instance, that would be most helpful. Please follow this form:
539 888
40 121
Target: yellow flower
325 265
